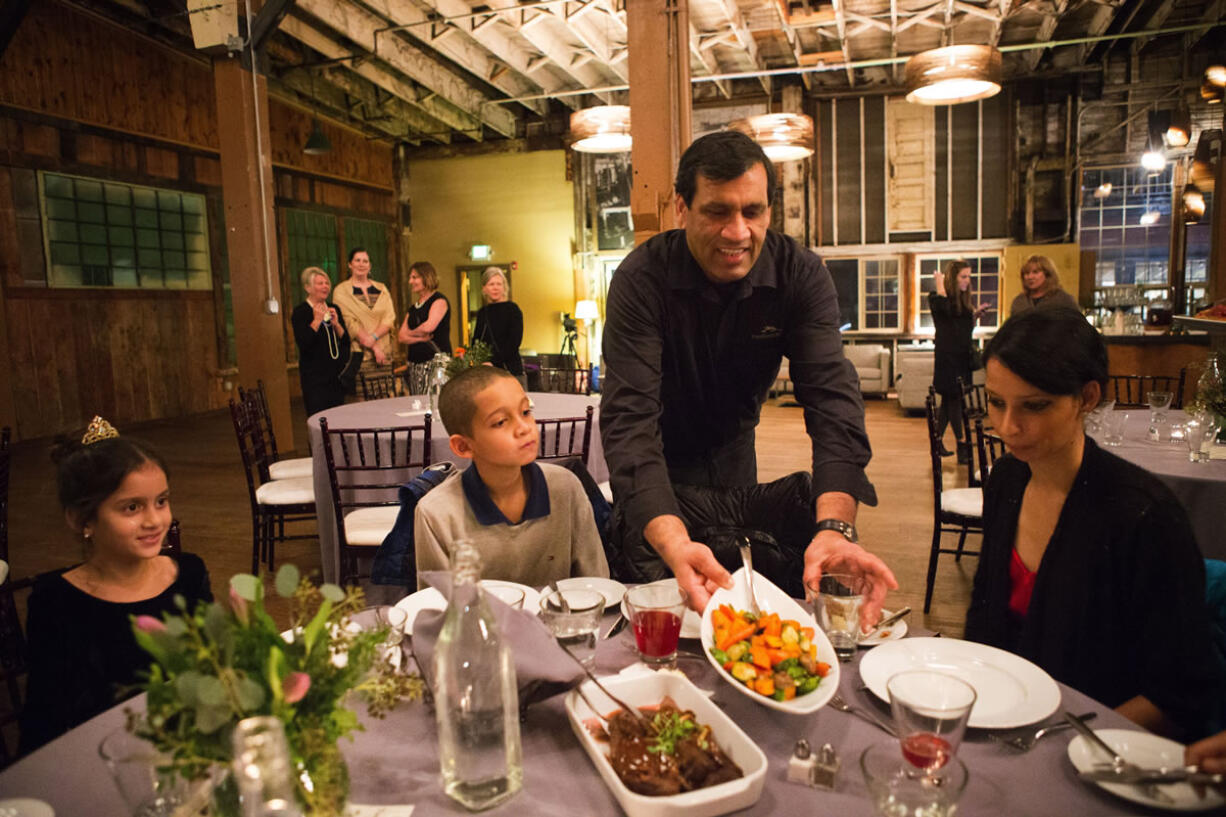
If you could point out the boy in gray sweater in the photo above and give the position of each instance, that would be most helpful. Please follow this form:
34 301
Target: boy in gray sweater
532 523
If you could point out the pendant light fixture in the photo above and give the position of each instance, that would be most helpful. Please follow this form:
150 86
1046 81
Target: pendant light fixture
1193 203
953 74
784 137
1213 84
602 129
1179 131
317 143
1153 158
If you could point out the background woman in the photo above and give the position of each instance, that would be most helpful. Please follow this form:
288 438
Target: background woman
427 325
323 349
1089 567
368 311
82 654
953 316
1040 287
500 323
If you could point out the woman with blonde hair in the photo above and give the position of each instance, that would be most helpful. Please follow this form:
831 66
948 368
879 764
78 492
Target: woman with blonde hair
954 315
1040 287
323 349
368 310
500 324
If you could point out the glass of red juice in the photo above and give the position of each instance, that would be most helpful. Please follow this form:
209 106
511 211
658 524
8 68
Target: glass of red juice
656 611
931 710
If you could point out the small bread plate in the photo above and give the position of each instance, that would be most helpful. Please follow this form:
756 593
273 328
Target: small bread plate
773 600
892 633
691 624
431 599
611 590
1150 752
649 690
1010 691
25 807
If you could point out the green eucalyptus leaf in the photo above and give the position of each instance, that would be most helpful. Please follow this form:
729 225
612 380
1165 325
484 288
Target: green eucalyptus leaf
246 586
332 593
175 626
250 694
211 718
217 622
187 685
210 691
287 580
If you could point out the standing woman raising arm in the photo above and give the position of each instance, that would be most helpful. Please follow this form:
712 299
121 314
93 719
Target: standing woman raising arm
954 316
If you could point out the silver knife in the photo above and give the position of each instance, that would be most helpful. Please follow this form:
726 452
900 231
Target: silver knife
1178 774
886 622
1118 763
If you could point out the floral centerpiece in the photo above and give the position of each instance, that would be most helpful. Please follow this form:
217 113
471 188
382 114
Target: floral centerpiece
220 663
478 353
1211 391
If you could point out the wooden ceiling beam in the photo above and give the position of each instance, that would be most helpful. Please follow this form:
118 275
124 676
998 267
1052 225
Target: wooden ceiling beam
707 60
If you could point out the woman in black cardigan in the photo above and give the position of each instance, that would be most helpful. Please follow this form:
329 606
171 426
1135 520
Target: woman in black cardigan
500 324
1089 567
954 315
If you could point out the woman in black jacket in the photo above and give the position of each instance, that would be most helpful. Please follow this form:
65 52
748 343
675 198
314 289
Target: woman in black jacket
323 349
1089 567
953 316
500 324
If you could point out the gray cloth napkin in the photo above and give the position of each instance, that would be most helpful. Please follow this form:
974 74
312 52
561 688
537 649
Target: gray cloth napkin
542 668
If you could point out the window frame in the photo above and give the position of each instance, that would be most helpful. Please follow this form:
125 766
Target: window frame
861 293
921 293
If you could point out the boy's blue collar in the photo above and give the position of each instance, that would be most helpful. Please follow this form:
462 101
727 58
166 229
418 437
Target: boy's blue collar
487 512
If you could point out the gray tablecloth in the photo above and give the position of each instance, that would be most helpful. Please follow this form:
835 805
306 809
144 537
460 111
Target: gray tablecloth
399 411
1200 487
395 761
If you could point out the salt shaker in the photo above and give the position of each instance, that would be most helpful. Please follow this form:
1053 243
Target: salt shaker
801 764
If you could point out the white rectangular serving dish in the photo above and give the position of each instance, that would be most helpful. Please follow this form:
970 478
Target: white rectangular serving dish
649 690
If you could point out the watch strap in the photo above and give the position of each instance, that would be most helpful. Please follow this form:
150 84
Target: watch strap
846 528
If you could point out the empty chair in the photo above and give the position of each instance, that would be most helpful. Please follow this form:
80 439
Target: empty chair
257 400
566 381
565 437
378 384
989 449
958 510
974 407
366 467
1132 390
274 502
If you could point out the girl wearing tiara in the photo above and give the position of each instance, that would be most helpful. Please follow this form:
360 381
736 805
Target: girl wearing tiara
83 657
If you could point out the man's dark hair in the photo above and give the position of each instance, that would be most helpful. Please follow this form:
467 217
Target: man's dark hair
457 402
721 157
1055 350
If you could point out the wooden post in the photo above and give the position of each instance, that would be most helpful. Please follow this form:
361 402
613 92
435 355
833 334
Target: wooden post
792 177
659 41
251 237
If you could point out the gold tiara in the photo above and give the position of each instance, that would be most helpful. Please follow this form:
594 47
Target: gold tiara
99 429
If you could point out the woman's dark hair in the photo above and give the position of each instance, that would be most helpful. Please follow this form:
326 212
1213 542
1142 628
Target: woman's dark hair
355 251
1055 350
721 157
87 474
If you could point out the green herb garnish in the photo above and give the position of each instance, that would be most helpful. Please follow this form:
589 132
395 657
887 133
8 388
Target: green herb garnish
671 727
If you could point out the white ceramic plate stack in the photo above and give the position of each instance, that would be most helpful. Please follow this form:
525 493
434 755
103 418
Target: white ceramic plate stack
1010 690
650 690
691 624
431 599
773 600
1149 752
613 591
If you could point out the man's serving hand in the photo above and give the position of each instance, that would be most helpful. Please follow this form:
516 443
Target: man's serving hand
831 552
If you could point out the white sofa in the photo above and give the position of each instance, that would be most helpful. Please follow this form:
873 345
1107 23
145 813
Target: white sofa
914 377
872 362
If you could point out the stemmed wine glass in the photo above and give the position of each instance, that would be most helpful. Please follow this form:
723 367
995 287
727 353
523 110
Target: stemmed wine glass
931 710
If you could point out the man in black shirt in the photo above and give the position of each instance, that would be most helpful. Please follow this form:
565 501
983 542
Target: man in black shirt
698 320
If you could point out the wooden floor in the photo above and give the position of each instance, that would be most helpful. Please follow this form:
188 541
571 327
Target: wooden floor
209 497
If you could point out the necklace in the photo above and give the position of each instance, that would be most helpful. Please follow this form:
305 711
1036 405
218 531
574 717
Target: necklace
334 349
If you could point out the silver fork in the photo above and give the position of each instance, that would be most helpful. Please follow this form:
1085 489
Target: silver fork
1024 743
838 703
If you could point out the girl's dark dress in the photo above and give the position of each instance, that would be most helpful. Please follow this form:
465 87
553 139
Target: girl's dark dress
83 657
423 352
501 326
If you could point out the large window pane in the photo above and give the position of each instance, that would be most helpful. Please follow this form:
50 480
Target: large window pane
1129 226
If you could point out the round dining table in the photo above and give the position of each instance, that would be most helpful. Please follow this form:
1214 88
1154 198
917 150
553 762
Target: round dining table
410 411
1200 487
395 760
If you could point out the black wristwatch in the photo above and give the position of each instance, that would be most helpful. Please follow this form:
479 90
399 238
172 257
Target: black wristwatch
846 528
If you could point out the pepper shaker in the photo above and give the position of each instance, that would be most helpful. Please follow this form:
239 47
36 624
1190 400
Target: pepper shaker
825 768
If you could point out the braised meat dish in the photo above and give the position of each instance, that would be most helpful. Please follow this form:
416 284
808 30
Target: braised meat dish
673 754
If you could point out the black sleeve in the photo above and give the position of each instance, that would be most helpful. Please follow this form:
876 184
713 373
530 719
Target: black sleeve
515 330
194 579
986 606
304 335
50 688
939 306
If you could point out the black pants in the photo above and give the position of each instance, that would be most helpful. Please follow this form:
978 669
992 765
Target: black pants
951 412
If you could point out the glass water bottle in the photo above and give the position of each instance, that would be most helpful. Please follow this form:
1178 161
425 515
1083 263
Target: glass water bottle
263 769
475 695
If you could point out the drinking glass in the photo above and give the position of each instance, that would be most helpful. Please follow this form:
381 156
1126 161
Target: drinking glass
133 764
512 597
1159 402
394 619
1114 424
896 792
575 630
1195 434
656 611
931 710
1095 419
837 601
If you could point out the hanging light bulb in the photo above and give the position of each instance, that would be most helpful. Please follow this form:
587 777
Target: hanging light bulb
317 143
784 137
1153 160
1213 84
1179 131
602 129
954 74
1193 203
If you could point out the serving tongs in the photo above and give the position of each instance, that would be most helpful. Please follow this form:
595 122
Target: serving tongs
747 558
633 710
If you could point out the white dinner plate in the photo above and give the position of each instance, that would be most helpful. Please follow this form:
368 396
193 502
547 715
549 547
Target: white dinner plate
691 622
26 807
431 599
610 589
1010 690
773 600
892 633
1148 751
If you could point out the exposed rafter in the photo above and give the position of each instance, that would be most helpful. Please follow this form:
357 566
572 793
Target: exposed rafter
705 59
840 21
337 98
1046 29
741 35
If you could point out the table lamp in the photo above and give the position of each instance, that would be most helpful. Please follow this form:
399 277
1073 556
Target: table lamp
589 312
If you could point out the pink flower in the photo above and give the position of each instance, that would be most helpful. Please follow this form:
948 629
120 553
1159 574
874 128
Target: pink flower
239 605
149 624
295 686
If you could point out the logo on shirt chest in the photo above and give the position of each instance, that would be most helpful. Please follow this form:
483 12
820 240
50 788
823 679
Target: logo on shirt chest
767 332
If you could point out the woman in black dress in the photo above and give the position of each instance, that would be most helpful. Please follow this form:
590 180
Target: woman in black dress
953 317
323 349
1089 567
427 325
83 657
500 324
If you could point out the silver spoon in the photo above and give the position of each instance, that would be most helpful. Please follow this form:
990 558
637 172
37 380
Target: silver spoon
838 703
553 586
747 558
